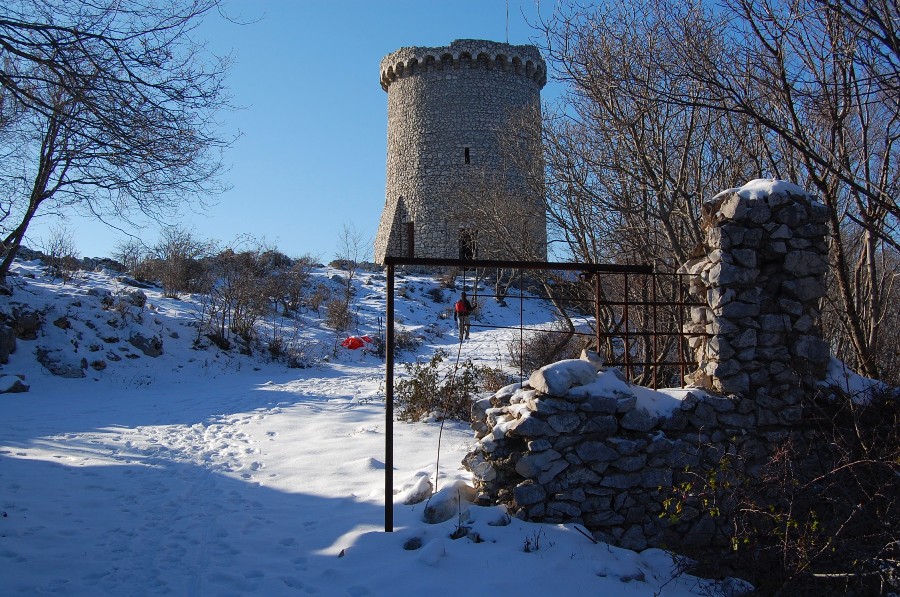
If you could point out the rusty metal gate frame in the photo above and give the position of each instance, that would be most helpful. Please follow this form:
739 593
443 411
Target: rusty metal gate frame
584 269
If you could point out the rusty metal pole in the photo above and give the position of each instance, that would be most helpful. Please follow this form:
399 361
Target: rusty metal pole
655 329
680 308
389 406
627 347
597 299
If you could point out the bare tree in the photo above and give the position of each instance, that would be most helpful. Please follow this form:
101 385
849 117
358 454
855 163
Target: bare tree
106 106
801 71
672 102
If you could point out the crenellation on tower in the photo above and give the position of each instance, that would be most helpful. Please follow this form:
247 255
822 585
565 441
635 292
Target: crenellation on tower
448 111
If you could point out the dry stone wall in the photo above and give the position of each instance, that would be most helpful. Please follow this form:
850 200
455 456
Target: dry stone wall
762 278
583 450
576 443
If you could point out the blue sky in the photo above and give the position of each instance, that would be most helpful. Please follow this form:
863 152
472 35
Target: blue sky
311 158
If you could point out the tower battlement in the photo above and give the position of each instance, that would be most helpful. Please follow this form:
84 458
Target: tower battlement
474 53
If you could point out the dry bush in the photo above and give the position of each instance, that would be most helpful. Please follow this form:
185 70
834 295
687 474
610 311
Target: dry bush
433 388
61 253
288 284
539 348
338 315
176 261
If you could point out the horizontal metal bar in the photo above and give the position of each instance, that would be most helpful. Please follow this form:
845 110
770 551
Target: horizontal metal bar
526 265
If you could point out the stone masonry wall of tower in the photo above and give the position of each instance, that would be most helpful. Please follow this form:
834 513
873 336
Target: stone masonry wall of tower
446 109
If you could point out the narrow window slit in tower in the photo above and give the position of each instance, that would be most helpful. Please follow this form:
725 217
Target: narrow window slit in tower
467 155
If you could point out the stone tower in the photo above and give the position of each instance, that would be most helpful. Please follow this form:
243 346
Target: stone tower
463 153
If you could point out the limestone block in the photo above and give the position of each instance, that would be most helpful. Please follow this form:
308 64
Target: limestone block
737 310
792 215
723 368
782 232
745 258
625 402
734 208
811 348
775 322
605 425
638 419
528 493
804 289
556 379
805 263
752 238
724 274
621 481
532 464
598 404
564 509
745 339
582 476
625 446
595 451
551 473
656 477
634 540
630 464
530 427
736 384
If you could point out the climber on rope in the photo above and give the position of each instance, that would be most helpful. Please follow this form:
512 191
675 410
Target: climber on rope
461 312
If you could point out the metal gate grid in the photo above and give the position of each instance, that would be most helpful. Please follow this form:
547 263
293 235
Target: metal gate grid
635 329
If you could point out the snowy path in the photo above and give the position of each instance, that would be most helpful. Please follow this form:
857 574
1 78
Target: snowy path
211 504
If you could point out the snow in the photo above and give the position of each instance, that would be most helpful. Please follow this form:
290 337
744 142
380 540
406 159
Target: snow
763 187
200 472
859 388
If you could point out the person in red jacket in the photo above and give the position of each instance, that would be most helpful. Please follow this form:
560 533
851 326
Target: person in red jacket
461 312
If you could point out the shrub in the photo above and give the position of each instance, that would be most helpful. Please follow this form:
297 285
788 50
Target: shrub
431 388
60 254
338 316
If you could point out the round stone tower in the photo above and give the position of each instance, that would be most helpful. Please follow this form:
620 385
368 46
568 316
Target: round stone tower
464 166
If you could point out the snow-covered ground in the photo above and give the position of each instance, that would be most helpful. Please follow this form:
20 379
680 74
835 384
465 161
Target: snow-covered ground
199 472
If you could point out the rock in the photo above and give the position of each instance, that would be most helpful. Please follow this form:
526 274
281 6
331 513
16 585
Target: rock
60 363
152 346
638 419
13 384
419 492
528 493
594 451
634 540
26 323
448 502
735 587
556 379
532 464
7 343
137 298
593 358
